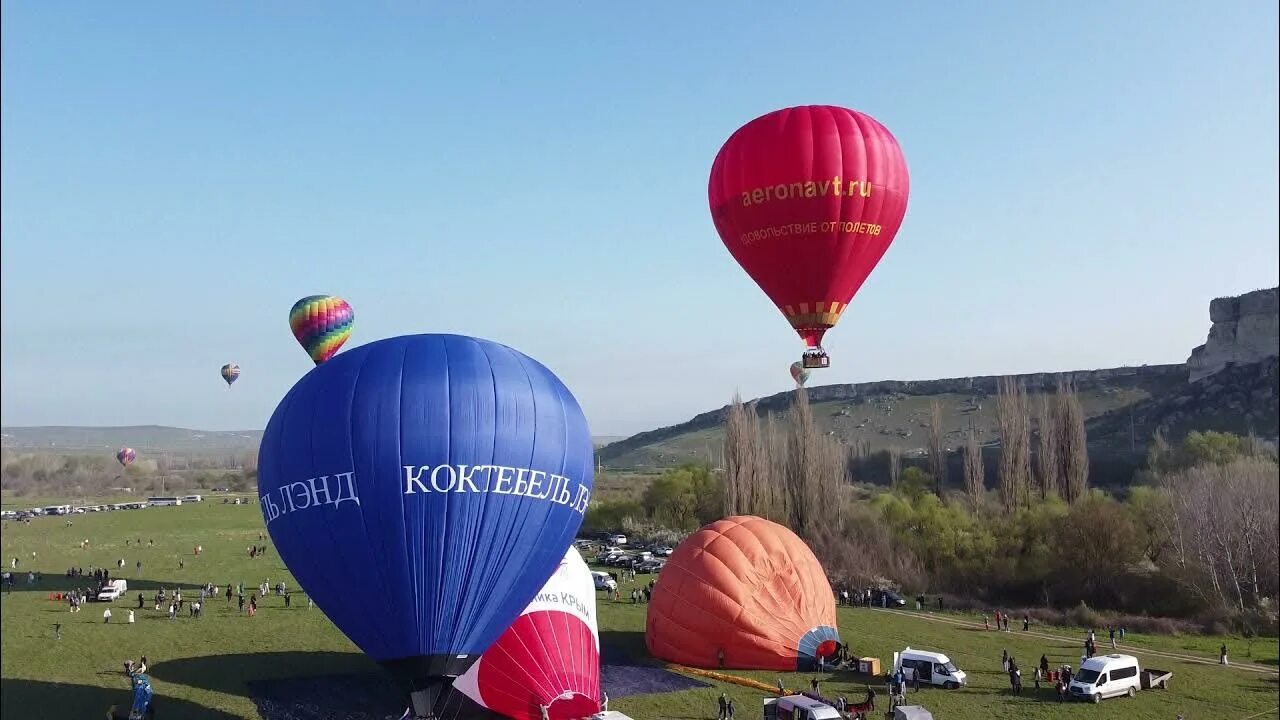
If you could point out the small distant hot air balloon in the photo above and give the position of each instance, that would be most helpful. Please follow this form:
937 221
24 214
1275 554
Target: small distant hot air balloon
807 200
125 456
230 372
799 373
321 323
749 589
444 476
549 657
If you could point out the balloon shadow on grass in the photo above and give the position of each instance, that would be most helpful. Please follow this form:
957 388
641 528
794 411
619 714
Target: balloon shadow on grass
34 700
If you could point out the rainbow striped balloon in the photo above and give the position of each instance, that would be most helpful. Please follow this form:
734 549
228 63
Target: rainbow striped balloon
321 323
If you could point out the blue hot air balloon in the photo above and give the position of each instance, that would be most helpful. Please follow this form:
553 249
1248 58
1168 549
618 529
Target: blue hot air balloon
422 489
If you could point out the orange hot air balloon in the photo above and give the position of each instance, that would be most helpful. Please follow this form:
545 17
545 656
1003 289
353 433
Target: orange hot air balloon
748 588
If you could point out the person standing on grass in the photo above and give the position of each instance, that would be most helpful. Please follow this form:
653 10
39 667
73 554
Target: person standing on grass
723 707
1222 655
729 708
1026 623
130 617
106 615
1111 631
57 631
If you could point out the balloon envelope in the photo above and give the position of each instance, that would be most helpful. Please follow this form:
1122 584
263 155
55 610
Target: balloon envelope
749 587
126 455
799 373
550 656
807 200
230 372
321 324
422 489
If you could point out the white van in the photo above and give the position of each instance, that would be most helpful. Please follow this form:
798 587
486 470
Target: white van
113 590
1106 676
798 707
603 581
932 668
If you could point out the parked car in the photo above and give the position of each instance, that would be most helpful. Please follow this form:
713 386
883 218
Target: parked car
603 581
887 598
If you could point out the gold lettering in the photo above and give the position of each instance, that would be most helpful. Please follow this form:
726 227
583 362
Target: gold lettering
836 186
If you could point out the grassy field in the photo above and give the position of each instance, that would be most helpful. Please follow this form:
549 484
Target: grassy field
202 668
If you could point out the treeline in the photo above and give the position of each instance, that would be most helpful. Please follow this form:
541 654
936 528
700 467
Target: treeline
69 476
1195 535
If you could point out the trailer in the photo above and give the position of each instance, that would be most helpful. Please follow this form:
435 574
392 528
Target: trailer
1152 678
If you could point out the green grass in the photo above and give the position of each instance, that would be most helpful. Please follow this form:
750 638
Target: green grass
201 668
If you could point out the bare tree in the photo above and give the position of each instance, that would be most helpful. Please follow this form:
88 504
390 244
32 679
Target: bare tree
814 470
974 469
937 453
741 454
1047 464
1012 417
1230 515
1072 444
895 465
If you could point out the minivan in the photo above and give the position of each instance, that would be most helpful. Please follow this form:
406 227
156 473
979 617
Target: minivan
932 668
1106 676
798 707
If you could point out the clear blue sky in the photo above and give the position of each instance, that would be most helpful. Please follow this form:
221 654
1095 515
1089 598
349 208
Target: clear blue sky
1085 178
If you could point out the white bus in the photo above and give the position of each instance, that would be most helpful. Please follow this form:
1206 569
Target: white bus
163 501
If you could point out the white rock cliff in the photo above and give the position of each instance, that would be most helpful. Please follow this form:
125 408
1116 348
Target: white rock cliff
1246 329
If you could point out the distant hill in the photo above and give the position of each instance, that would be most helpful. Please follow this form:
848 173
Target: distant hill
1123 408
894 414
1229 384
143 438
70 440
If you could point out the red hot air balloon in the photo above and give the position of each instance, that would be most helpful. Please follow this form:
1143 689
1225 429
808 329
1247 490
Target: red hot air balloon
807 200
549 657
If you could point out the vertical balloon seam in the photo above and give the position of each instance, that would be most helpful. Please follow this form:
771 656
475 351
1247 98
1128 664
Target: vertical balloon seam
467 575
848 248
359 362
390 555
868 247
521 511
339 546
437 599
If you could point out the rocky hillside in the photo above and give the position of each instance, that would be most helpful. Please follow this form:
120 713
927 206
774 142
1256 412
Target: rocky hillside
893 414
1245 330
1229 384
